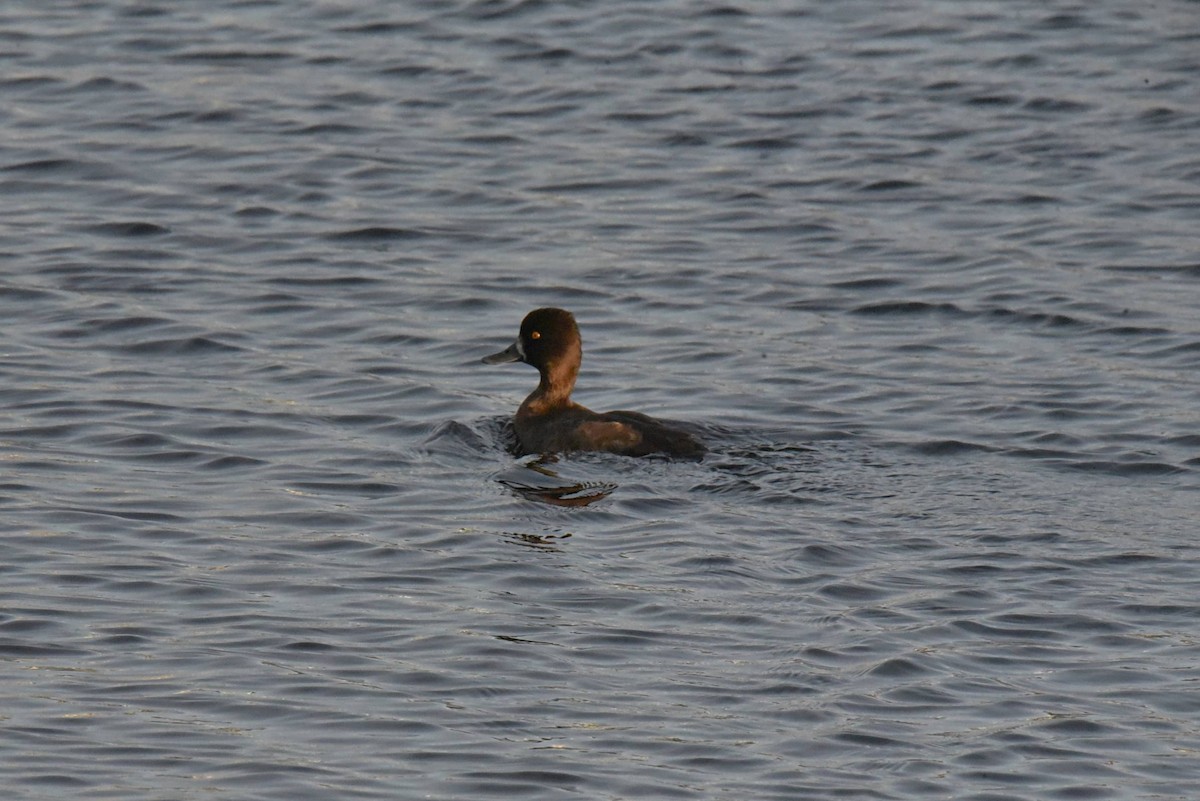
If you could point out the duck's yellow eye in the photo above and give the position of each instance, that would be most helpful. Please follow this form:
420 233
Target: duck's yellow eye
536 335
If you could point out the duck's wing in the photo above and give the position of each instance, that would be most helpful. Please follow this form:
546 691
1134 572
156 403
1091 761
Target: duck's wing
657 436
610 435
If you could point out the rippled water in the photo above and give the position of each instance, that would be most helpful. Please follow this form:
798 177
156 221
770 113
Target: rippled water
924 275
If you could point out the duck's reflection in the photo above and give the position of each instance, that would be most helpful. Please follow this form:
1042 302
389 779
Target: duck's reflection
537 482
538 542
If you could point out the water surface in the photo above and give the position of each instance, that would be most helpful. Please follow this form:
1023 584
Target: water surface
924 278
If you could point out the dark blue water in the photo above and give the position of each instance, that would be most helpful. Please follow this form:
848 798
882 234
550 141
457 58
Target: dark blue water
925 276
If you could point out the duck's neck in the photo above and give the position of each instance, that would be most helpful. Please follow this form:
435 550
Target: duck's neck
554 388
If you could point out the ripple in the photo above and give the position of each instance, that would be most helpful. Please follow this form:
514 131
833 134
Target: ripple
375 234
181 346
129 229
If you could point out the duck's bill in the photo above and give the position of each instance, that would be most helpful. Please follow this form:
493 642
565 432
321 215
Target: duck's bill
510 354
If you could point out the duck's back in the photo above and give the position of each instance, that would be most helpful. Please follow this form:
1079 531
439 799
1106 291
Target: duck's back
577 428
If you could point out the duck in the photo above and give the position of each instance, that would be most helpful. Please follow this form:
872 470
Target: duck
550 422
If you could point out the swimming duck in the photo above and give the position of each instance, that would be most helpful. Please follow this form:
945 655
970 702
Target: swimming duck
549 421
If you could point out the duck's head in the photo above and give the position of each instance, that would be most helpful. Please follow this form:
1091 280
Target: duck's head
549 340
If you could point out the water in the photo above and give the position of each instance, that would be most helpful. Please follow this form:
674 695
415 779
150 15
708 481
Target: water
924 276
